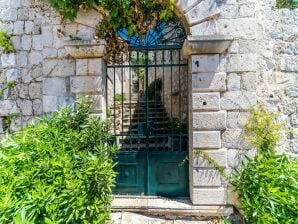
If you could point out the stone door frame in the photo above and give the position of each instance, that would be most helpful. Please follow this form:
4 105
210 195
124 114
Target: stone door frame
207 120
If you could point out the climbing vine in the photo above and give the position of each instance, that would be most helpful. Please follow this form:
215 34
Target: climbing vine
136 16
287 3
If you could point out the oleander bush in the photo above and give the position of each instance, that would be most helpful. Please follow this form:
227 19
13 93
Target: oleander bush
267 184
58 170
287 3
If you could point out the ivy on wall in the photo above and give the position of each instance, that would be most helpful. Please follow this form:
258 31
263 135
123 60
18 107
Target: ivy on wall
5 43
136 16
287 3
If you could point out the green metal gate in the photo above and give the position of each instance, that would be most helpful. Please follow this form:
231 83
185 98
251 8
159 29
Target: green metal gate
147 98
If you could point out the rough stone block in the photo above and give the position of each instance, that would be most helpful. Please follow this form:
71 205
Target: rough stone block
35 90
34 73
209 82
64 101
29 27
22 58
8 60
237 119
209 196
23 14
234 139
289 63
8 107
37 107
294 120
97 103
206 101
86 84
206 140
242 63
89 67
16 42
12 75
233 82
294 145
219 156
209 120
35 57
8 14
47 35
25 107
204 63
237 100
50 103
206 178
247 46
186 5
26 42
91 18
201 12
244 28
19 27
50 53
37 42
58 67
54 86
204 29
249 81
235 157
22 91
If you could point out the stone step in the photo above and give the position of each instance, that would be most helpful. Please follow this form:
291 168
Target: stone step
148 209
135 218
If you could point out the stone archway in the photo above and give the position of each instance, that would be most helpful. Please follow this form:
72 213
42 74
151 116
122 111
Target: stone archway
207 117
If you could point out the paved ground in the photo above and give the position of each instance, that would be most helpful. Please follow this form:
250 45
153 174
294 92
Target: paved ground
133 218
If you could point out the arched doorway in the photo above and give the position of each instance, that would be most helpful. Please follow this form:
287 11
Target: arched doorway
147 101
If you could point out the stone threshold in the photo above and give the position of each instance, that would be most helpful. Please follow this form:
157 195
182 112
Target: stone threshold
161 206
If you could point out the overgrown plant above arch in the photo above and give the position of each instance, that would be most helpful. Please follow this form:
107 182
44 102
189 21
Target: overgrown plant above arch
287 3
136 16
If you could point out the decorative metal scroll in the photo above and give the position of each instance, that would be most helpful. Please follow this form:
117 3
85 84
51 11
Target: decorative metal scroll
163 34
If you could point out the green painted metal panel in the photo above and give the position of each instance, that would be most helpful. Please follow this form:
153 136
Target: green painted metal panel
149 123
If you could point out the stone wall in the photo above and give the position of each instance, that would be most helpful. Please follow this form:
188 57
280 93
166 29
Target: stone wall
261 65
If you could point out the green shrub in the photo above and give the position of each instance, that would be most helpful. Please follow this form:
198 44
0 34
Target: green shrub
5 43
267 184
59 170
287 3
120 97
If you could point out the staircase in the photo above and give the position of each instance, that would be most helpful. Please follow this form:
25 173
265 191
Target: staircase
133 130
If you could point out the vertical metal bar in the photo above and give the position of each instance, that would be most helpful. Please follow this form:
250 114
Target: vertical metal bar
171 58
130 80
163 95
122 99
137 109
114 84
180 92
155 106
187 102
146 75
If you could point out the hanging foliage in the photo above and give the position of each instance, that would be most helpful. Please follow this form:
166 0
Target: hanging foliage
287 3
136 16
